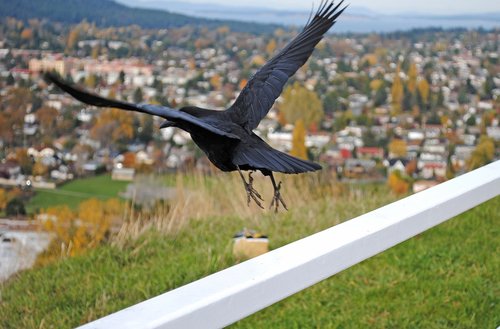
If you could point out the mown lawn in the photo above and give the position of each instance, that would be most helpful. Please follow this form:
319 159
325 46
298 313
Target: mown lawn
444 278
74 192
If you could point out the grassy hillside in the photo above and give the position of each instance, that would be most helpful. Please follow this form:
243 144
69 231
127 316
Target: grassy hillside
444 278
74 192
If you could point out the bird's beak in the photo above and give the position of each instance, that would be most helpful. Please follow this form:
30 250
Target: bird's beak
167 124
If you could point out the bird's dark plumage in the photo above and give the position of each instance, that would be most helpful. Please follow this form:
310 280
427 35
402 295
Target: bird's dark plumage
226 137
262 90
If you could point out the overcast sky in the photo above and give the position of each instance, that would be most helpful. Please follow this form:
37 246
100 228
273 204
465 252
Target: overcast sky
438 7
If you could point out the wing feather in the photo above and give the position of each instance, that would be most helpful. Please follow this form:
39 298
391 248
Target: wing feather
269 81
161 111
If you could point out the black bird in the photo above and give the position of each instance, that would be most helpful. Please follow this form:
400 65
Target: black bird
227 137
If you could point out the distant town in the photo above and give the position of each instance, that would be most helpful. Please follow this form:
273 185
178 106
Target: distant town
411 108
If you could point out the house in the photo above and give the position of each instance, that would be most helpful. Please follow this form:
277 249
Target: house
459 158
421 185
359 168
416 135
9 169
357 102
493 132
123 174
143 157
373 153
147 192
335 157
433 170
432 131
435 145
318 140
91 167
396 164
62 173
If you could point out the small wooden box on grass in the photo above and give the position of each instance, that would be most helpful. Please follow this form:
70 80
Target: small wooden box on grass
248 244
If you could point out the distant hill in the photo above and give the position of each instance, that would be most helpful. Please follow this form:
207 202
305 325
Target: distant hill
356 18
106 13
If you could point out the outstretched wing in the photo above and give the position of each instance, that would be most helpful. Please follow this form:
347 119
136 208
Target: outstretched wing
262 90
161 111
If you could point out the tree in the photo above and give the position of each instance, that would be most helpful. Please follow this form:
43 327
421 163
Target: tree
3 199
397 92
146 129
129 160
15 207
409 100
10 80
27 34
397 148
24 160
398 184
216 82
73 36
94 224
95 52
471 121
463 98
301 103
299 140
412 78
488 87
302 106
47 117
39 169
113 125
138 96
271 47
121 77
423 90
81 230
91 81
482 154
331 102
376 84
60 222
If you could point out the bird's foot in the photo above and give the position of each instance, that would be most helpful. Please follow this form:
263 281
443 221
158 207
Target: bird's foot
277 199
252 193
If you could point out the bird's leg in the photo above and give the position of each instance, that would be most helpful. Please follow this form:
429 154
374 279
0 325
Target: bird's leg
277 199
251 192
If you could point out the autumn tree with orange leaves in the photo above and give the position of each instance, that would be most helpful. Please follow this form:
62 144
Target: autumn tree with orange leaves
76 231
398 183
113 125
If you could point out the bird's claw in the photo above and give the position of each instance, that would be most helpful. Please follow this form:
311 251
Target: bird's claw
277 199
252 193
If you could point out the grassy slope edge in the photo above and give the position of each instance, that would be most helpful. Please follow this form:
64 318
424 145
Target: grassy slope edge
446 277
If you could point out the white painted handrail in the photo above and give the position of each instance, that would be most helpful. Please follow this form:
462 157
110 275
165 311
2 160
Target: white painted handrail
232 294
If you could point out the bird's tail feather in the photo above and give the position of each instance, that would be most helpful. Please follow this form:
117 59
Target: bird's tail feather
267 158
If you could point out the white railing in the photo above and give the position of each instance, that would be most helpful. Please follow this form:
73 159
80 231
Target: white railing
232 294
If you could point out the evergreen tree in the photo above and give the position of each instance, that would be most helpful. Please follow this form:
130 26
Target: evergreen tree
138 97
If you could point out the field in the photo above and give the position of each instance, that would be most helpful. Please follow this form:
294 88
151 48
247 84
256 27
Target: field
444 278
74 192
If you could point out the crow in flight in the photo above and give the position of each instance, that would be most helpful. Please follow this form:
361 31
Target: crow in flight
227 137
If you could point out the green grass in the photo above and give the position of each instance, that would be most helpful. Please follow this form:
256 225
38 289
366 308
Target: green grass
74 192
446 277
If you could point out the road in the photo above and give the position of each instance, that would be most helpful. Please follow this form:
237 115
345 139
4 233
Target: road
19 246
